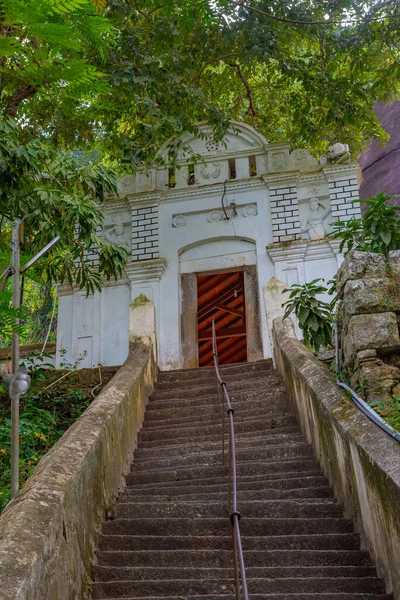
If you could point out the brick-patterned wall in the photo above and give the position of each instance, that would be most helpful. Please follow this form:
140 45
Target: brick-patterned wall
341 192
145 243
284 214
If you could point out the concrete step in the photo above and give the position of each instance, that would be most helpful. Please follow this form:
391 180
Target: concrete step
269 396
214 418
262 441
209 405
201 586
222 496
177 573
222 559
195 527
284 509
216 438
293 449
228 377
249 469
327 541
183 391
175 489
185 375
194 428
290 596
211 413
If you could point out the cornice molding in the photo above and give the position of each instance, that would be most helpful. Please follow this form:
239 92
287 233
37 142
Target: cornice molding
333 172
145 271
287 251
281 177
210 190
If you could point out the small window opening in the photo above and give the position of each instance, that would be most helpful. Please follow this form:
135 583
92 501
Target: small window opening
171 178
252 166
232 168
191 175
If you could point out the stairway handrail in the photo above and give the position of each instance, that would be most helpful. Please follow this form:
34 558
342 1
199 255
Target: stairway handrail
234 514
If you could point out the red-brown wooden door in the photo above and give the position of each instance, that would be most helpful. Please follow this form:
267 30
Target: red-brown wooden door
221 296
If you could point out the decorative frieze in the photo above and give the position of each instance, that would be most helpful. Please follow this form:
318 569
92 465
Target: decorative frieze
145 239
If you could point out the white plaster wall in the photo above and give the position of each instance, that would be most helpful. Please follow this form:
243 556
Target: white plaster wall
219 235
94 329
114 343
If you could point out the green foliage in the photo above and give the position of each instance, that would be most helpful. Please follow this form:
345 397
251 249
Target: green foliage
377 231
45 414
315 316
389 410
57 194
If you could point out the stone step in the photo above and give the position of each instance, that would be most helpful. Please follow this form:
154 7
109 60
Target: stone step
256 468
214 418
290 596
228 377
328 541
209 406
174 489
194 428
266 440
195 527
211 413
201 586
177 573
293 449
215 438
222 496
185 375
285 508
222 559
184 391
275 396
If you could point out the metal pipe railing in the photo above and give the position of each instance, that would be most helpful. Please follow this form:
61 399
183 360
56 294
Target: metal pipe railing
234 514
359 402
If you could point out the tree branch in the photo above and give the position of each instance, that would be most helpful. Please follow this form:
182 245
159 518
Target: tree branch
18 96
299 22
251 110
209 62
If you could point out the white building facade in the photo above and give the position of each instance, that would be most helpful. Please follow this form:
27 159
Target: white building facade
241 206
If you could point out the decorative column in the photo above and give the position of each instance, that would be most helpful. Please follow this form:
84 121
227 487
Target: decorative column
144 277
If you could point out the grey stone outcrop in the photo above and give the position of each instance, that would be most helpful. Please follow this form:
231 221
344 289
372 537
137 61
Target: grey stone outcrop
369 287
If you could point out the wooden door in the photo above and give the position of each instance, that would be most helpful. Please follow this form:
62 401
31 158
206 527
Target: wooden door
221 296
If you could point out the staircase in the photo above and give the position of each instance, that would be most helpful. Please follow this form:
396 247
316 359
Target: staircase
169 535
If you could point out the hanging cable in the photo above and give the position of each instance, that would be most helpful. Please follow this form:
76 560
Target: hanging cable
222 201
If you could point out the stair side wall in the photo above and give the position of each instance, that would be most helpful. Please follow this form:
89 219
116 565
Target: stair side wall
360 460
49 532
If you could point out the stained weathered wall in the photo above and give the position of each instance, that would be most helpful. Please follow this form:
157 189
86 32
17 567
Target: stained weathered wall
361 461
49 532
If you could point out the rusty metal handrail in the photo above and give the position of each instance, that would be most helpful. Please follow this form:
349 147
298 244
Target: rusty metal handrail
234 514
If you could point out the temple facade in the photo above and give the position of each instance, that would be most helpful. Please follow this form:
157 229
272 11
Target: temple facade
212 238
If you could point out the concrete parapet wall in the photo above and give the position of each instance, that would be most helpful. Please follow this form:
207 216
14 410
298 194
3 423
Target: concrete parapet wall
361 461
48 533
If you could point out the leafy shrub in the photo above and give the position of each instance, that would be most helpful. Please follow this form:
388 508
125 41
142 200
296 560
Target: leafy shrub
315 316
378 230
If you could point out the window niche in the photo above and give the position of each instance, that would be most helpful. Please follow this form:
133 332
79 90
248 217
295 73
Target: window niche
171 178
232 168
252 166
191 175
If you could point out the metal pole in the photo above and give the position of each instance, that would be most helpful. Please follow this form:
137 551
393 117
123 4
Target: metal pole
15 361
